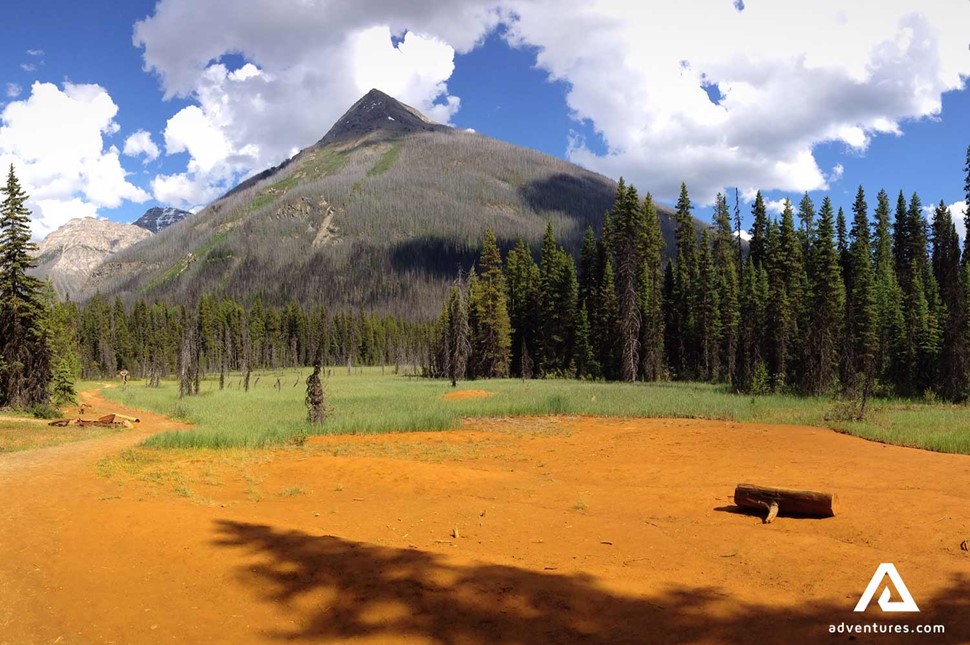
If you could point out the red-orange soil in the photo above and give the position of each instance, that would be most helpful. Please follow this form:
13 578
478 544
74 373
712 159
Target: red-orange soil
569 530
461 395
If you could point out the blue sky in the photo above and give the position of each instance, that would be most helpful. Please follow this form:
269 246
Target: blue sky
137 103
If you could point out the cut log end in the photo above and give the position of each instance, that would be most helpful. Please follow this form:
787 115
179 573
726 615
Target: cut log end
772 512
787 501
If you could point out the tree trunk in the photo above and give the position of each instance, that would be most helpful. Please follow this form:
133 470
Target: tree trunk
787 501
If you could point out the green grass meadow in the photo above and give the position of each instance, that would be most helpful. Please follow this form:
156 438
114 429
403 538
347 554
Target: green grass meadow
369 401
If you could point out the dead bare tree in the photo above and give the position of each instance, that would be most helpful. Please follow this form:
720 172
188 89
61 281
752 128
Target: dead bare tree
316 412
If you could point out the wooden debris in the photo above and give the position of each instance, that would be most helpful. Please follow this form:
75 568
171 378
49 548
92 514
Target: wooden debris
106 421
784 500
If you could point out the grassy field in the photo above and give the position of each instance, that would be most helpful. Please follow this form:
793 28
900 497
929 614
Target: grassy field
372 402
19 435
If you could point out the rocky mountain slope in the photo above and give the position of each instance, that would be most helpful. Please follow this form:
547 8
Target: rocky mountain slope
157 218
378 214
71 253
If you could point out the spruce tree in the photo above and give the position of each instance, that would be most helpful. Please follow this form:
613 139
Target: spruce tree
966 211
806 218
586 364
522 276
628 244
25 357
456 337
953 362
751 365
759 230
607 330
728 292
492 336
61 328
709 311
558 294
589 274
786 278
652 354
888 296
683 324
828 308
842 241
862 321
902 248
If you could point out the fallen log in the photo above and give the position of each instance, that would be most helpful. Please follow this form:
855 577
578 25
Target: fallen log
785 500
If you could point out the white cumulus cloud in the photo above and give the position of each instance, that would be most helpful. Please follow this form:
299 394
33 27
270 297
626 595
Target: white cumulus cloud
307 62
785 77
789 77
55 138
141 143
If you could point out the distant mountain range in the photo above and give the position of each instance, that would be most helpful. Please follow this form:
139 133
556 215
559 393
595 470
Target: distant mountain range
378 214
71 253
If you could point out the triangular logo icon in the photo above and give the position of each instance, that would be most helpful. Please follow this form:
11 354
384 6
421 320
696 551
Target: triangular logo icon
887 569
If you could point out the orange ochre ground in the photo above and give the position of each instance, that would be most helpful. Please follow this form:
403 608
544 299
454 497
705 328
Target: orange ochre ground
532 530
461 395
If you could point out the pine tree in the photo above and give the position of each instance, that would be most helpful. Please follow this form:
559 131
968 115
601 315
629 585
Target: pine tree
828 308
492 335
25 358
862 321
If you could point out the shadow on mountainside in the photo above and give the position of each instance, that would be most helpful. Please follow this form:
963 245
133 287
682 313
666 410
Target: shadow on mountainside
359 590
582 199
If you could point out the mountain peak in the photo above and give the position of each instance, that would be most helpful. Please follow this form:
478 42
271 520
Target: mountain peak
157 218
378 115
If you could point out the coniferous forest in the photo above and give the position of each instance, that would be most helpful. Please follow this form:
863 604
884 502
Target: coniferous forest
817 302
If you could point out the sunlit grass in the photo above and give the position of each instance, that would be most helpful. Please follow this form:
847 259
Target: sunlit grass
18 435
369 402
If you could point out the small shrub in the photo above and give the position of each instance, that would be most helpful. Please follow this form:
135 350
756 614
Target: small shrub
45 411
760 380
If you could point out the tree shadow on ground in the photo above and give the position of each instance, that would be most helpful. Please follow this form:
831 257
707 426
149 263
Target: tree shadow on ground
358 590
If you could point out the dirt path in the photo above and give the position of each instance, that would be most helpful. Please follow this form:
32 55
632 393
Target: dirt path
51 460
564 530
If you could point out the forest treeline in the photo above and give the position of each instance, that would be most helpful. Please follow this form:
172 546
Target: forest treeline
217 336
819 302
815 303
